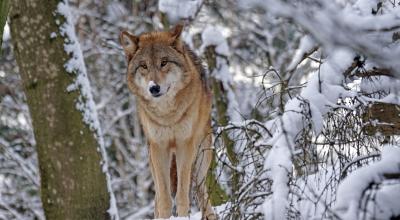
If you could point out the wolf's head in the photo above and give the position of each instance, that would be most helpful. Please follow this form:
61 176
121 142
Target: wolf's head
157 65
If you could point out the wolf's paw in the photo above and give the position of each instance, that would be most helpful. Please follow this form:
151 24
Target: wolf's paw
211 216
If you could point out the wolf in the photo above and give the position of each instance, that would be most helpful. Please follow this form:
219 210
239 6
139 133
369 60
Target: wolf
174 107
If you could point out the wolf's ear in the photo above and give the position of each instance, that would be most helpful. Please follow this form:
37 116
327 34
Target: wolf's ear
175 34
129 43
176 31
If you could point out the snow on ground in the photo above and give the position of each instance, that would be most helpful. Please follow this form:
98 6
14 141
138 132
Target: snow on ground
219 210
197 216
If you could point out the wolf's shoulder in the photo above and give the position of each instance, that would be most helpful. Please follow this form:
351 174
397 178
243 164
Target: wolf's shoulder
199 66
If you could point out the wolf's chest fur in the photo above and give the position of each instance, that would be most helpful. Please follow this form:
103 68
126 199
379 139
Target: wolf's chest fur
166 134
167 121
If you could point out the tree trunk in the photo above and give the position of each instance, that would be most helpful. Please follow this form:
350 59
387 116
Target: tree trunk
220 102
382 118
73 185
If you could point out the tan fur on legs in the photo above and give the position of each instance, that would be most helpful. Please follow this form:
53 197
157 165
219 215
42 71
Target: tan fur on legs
185 154
152 170
160 160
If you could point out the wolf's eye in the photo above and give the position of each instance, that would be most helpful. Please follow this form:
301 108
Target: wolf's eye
144 66
163 63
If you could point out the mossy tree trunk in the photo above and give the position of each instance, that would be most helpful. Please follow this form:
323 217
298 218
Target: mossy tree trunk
73 185
220 102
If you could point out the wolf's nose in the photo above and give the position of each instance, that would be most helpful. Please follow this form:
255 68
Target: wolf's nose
155 90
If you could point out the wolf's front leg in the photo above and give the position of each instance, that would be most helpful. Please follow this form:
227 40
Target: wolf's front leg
160 159
185 155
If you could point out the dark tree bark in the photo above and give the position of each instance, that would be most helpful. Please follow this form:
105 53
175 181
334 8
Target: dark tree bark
73 185
382 118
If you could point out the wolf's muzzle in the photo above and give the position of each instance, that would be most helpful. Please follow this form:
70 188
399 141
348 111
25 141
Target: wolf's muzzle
155 90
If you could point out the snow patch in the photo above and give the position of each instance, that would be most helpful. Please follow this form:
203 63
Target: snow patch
53 35
6 32
213 36
305 46
177 10
352 189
